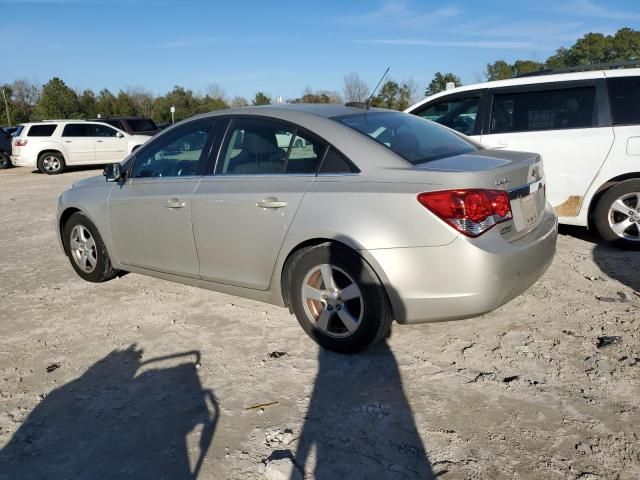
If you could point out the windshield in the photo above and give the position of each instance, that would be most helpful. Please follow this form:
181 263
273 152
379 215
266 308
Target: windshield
413 138
142 125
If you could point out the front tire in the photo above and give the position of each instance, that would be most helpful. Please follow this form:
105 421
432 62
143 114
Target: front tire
51 163
86 250
617 214
338 299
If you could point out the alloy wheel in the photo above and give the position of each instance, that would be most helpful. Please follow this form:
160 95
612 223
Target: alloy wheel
83 249
51 163
332 300
624 216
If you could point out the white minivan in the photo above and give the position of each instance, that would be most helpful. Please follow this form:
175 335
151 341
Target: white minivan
50 146
586 126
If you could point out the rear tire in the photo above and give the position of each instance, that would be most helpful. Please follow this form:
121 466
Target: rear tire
338 299
5 161
51 163
617 214
86 250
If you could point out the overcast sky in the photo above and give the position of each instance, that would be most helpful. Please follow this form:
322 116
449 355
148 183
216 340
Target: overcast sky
282 47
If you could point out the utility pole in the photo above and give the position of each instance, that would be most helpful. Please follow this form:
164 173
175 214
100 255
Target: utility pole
6 106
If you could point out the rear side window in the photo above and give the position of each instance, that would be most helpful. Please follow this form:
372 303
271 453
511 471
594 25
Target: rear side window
41 130
543 110
305 155
76 130
457 113
624 95
334 162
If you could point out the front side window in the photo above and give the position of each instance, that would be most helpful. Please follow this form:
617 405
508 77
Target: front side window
41 130
413 138
255 147
543 110
624 95
458 113
76 130
176 154
103 131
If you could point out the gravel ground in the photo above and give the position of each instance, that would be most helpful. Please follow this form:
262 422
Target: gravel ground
142 378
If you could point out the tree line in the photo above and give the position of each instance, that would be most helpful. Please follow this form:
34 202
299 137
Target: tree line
24 101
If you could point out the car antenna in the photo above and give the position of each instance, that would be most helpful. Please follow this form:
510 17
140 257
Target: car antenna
366 105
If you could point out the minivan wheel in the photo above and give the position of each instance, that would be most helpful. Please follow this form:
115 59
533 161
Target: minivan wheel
617 214
86 250
5 160
51 163
338 299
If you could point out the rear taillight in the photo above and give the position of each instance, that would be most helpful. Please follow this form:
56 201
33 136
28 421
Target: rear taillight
472 211
19 142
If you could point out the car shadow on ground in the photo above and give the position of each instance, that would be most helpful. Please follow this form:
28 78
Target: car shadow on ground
617 263
117 422
359 423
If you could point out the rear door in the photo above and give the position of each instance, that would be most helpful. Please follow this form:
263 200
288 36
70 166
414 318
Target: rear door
242 212
109 147
567 123
79 143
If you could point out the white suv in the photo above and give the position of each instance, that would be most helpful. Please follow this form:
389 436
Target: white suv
586 126
52 145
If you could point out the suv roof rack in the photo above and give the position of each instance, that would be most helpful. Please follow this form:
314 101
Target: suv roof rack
584 68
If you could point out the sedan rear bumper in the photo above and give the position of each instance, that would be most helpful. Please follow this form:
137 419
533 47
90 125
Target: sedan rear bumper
467 278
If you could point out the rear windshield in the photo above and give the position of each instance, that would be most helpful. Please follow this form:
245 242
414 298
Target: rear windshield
413 138
142 125
42 130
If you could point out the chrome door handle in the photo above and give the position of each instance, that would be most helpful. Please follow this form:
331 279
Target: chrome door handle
175 203
67 141
271 202
98 141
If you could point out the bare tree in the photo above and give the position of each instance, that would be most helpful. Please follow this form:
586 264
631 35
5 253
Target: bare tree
355 90
215 91
142 100
239 102
24 96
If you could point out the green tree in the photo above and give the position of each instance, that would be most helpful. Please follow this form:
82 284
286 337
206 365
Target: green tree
57 100
387 96
184 100
626 45
521 67
261 99
439 83
499 70
590 49
239 102
88 104
124 104
106 103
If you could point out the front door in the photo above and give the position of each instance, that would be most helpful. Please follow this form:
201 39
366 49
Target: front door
242 213
564 126
78 144
110 147
150 213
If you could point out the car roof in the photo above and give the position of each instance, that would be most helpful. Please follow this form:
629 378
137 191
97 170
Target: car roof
326 110
532 80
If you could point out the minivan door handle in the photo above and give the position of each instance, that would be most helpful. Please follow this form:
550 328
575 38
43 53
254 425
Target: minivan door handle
271 202
495 145
175 203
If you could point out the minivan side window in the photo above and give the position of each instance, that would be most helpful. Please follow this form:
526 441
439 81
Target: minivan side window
458 113
624 96
41 130
543 110
175 154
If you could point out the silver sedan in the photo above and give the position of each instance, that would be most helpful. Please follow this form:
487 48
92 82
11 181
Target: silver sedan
350 217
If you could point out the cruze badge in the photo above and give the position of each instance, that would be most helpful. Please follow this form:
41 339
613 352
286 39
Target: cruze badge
503 181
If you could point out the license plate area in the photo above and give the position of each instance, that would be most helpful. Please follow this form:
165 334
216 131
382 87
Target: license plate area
527 210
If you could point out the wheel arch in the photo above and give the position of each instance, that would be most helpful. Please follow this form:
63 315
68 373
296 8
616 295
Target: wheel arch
64 218
601 191
285 273
51 150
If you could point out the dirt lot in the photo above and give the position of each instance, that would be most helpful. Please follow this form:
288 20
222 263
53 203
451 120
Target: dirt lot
141 378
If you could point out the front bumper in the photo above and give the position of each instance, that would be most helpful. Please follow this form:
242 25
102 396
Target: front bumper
467 278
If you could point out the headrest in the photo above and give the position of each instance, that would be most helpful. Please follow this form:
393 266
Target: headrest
260 142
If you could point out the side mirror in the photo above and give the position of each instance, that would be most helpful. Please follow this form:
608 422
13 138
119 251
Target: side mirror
119 135
112 172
